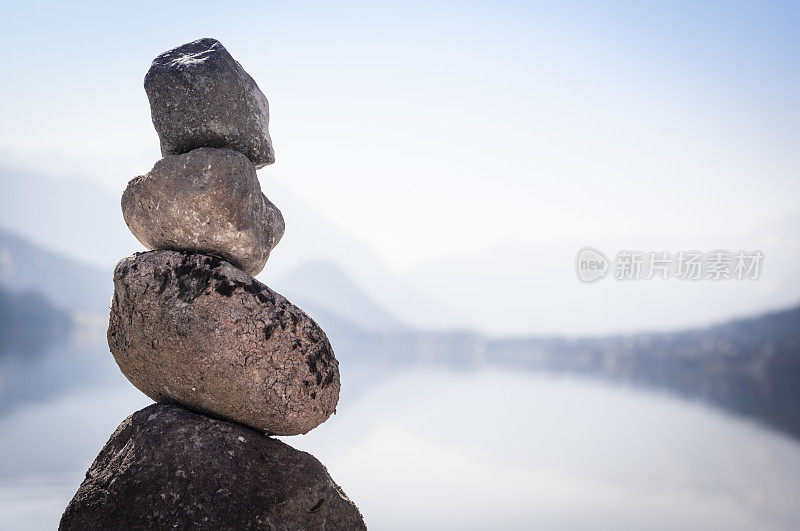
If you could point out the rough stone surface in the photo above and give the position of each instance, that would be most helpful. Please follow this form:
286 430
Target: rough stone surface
200 96
168 468
208 200
194 330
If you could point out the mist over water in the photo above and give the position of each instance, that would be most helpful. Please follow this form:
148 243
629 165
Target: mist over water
429 448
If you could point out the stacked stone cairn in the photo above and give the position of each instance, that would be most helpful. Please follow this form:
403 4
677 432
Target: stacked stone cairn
228 361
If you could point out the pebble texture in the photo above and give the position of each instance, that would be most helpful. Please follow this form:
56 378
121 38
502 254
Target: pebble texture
200 96
194 330
168 468
208 200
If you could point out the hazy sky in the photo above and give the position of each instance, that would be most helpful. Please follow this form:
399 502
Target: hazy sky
434 130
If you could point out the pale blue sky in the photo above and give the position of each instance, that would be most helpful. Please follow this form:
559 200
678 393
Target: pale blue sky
441 133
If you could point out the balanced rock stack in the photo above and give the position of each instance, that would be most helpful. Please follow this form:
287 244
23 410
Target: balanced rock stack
229 361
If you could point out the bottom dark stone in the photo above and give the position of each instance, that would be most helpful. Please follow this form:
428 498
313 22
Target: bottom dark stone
166 467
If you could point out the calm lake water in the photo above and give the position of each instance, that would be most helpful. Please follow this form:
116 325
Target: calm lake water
428 448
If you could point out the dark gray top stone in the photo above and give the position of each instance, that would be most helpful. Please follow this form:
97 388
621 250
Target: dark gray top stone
200 96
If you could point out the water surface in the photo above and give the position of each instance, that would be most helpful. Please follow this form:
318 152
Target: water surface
428 448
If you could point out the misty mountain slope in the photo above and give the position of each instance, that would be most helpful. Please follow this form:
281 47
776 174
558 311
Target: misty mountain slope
311 237
29 323
329 288
69 284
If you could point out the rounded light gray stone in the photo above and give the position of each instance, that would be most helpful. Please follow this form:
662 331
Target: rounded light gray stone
192 329
207 200
200 96
168 468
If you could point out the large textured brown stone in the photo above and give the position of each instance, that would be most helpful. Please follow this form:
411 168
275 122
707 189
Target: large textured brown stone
200 96
194 330
208 200
168 468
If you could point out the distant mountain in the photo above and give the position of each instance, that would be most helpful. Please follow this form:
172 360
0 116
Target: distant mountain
42 355
748 366
29 324
70 285
326 287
